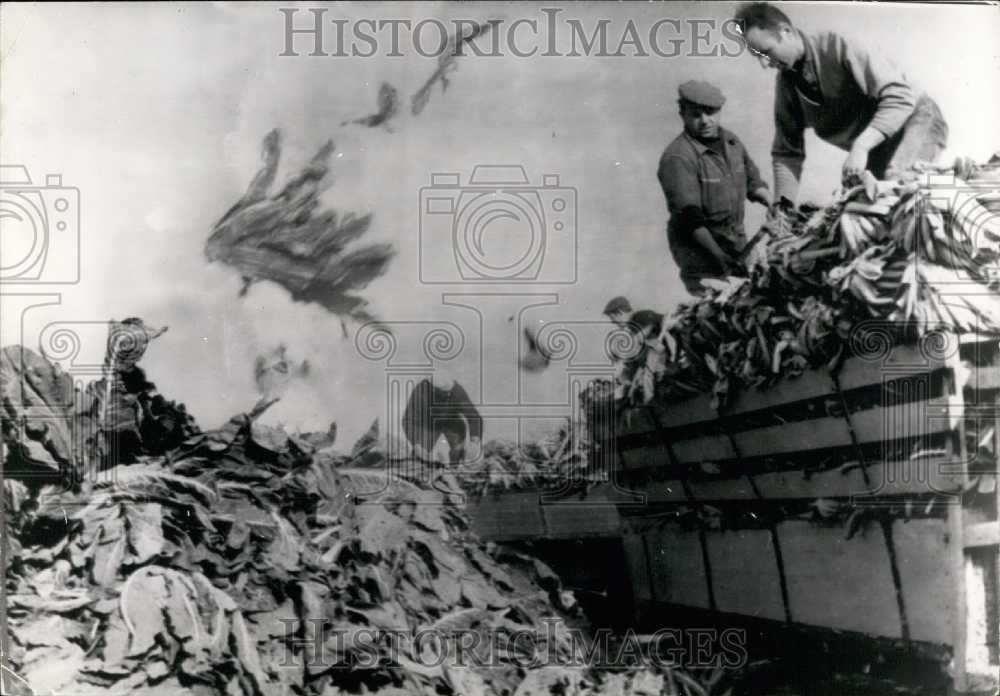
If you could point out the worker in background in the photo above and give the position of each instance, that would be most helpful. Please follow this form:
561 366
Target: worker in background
649 346
444 410
851 97
706 175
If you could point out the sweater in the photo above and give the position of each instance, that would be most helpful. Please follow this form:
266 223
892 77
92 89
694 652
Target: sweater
857 88
432 411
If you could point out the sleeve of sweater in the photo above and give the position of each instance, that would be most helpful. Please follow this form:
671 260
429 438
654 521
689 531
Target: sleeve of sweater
788 151
883 81
754 180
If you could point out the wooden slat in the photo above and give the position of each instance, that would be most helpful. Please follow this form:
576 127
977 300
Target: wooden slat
793 437
711 448
635 564
922 556
903 361
809 385
745 573
663 492
956 567
941 475
678 573
645 457
924 475
895 478
826 484
508 516
581 518
839 583
982 534
696 410
722 489
919 418
983 378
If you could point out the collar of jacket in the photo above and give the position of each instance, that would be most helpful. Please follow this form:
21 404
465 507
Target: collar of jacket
807 63
727 138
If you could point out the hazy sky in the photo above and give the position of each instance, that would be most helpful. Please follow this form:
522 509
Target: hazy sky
155 112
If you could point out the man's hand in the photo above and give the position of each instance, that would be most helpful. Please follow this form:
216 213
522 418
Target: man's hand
762 196
779 218
730 265
857 158
855 164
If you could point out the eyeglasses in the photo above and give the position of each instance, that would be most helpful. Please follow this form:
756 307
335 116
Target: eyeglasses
764 59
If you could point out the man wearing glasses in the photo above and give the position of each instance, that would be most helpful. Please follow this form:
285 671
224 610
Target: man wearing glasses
706 175
852 98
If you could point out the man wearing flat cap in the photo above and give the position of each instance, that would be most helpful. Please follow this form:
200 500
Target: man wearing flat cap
706 175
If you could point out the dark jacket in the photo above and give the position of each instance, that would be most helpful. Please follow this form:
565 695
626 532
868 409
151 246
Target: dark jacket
705 188
432 412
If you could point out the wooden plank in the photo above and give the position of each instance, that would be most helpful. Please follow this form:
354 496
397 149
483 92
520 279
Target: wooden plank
663 491
982 534
508 516
825 484
809 385
956 567
581 518
722 489
695 410
922 555
711 448
649 456
966 339
983 620
611 492
916 419
983 378
903 361
839 583
745 573
893 478
677 569
924 475
793 437
635 565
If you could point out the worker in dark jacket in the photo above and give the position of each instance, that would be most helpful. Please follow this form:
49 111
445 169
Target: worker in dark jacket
851 97
706 175
442 409
647 347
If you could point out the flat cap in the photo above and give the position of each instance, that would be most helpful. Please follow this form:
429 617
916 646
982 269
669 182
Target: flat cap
702 93
618 304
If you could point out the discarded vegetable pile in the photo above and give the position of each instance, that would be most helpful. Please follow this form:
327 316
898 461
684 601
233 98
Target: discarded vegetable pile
912 257
250 561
